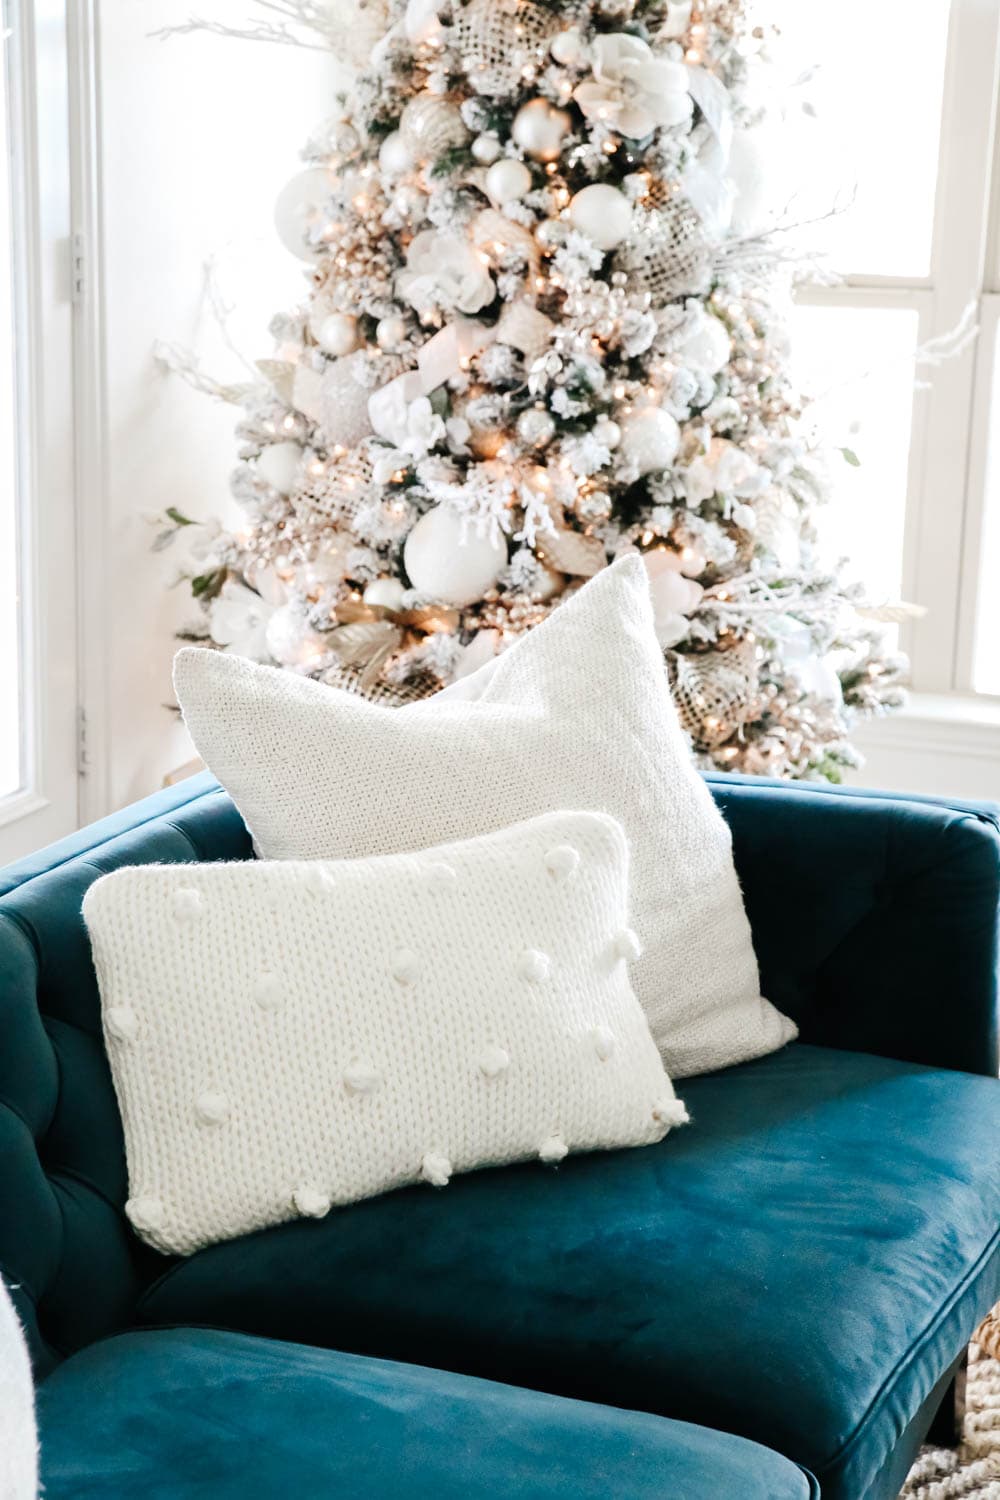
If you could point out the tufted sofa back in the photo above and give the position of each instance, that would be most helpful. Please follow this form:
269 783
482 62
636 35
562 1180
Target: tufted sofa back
875 922
66 1252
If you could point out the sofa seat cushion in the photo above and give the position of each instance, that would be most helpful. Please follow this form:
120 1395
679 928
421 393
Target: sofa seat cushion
182 1413
801 1265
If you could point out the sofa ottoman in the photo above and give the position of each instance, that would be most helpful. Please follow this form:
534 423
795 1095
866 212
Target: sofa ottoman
183 1414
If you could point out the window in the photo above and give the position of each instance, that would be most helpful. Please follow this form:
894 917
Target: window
38 636
902 144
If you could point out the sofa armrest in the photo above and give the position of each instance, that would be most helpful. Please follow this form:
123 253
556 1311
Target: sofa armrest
874 916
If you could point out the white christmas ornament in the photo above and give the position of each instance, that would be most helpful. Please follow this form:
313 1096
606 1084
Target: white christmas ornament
632 90
536 427
395 156
506 181
385 593
338 334
290 638
707 346
486 149
650 439
390 331
602 213
539 129
447 561
299 208
607 432
568 47
279 465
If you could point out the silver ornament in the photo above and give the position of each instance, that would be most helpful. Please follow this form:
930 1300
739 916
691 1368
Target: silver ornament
536 427
390 332
486 149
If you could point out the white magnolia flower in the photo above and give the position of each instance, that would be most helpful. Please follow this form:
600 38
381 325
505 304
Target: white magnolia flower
674 596
632 89
239 619
724 470
444 272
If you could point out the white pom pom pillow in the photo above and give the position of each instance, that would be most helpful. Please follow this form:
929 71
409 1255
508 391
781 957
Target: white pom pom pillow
576 714
288 1037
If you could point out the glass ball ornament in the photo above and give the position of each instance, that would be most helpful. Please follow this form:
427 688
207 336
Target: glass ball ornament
708 348
551 233
608 432
338 334
299 207
568 47
602 213
540 128
395 157
592 507
385 593
486 149
536 427
390 332
279 464
650 439
448 561
507 181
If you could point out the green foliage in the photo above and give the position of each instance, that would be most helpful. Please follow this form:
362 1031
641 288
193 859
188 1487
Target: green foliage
451 161
206 586
177 518
850 457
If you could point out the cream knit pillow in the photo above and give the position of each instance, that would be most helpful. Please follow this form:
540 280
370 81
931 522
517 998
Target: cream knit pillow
285 1037
576 714
18 1440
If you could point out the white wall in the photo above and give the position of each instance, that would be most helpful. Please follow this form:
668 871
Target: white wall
198 135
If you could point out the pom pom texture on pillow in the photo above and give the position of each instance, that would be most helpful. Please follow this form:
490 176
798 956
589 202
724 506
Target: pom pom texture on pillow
287 1037
577 713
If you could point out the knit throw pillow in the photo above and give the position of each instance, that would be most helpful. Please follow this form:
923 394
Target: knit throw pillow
577 713
18 1442
286 1037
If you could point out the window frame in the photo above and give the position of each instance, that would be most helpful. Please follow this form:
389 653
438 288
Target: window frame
951 402
46 806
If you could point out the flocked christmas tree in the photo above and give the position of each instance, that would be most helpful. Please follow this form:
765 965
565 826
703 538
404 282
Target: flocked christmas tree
541 329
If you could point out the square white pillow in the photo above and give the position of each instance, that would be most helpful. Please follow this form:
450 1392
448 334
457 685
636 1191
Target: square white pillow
286 1037
577 713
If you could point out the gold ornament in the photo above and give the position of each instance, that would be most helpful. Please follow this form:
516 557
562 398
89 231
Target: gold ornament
670 258
501 42
430 126
715 693
571 552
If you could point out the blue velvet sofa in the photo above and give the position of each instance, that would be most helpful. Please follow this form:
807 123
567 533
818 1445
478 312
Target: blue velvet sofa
770 1304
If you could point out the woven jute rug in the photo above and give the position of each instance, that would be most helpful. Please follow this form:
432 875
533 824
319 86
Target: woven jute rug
972 1471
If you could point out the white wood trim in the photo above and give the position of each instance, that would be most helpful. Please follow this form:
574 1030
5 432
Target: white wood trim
49 807
961 225
90 408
